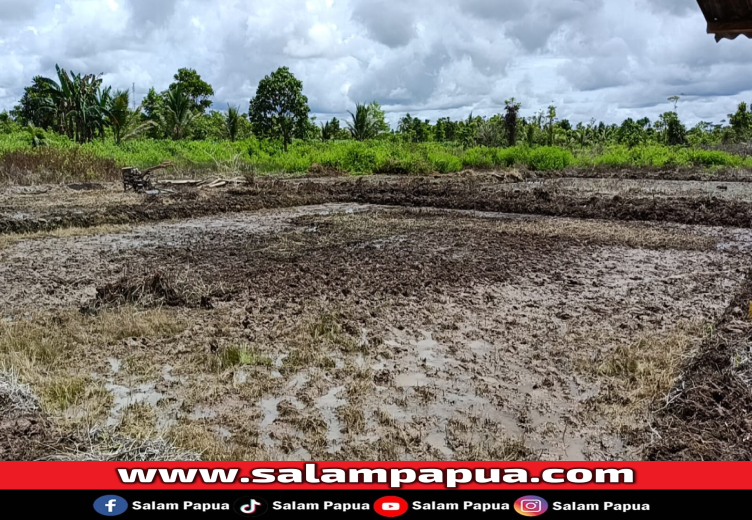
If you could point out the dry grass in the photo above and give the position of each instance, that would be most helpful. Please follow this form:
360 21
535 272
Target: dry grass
195 437
49 340
105 445
139 421
60 393
7 240
644 371
53 165
477 438
16 398
352 418
56 355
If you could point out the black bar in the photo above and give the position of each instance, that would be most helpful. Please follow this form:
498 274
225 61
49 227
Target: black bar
561 504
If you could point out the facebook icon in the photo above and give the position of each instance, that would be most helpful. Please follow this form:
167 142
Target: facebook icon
110 505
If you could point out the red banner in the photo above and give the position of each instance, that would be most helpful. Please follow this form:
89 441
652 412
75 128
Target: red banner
376 475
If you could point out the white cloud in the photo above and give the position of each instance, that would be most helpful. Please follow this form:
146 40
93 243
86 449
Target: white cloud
593 58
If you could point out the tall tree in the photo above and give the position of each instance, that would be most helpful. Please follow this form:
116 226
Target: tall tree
178 113
490 132
35 106
279 109
511 113
741 121
332 130
232 123
414 130
675 133
197 90
126 123
551 116
367 122
379 116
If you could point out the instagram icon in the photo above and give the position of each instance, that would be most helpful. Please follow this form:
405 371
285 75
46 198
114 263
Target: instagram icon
531 506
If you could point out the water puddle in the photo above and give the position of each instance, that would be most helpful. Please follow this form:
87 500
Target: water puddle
123 397
411 380
269 406
328 405
115 365
202 413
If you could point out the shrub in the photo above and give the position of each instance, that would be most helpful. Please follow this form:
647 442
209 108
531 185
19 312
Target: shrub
549 158
480 157
62 160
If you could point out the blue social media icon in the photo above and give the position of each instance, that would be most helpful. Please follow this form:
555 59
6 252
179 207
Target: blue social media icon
110 505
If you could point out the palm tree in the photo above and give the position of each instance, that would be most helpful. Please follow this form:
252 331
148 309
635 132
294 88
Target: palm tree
232 122
363 125
178 114
126 123
330 130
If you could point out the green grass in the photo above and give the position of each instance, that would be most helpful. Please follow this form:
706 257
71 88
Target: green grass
387 156
241 355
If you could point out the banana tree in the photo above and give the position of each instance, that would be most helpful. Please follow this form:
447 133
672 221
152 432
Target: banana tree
79 104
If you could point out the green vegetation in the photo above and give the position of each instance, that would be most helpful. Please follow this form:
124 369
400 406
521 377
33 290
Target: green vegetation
74 127
280 110
392 156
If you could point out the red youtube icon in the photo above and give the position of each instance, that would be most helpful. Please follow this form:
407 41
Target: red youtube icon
391 506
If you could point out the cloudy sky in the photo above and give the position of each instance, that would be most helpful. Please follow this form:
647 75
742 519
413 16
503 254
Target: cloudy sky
604 59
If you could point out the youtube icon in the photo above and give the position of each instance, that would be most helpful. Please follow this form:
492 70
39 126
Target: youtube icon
391 507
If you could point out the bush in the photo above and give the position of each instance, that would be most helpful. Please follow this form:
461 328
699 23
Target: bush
549 158
481 158
101 159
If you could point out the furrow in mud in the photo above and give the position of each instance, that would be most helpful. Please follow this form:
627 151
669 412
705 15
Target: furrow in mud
437 193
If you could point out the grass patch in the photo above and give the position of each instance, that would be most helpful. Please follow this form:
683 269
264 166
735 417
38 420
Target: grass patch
63 392
237 356
352 418
645 371
35 347
139 421
65 161
7 240
55 165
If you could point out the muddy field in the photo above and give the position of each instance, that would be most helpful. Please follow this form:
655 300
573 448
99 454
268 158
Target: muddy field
375 319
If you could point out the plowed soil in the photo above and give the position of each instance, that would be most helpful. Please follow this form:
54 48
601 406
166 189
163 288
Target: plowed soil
391 318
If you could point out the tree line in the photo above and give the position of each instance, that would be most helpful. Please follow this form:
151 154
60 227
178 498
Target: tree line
83 109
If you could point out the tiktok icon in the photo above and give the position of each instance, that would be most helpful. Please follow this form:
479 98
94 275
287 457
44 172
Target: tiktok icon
251 506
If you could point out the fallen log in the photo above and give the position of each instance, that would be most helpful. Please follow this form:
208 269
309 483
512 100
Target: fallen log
180 182
203 183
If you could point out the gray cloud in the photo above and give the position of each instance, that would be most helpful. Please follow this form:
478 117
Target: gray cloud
17 10
499 10
592 58
676 7
148 15
388 23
